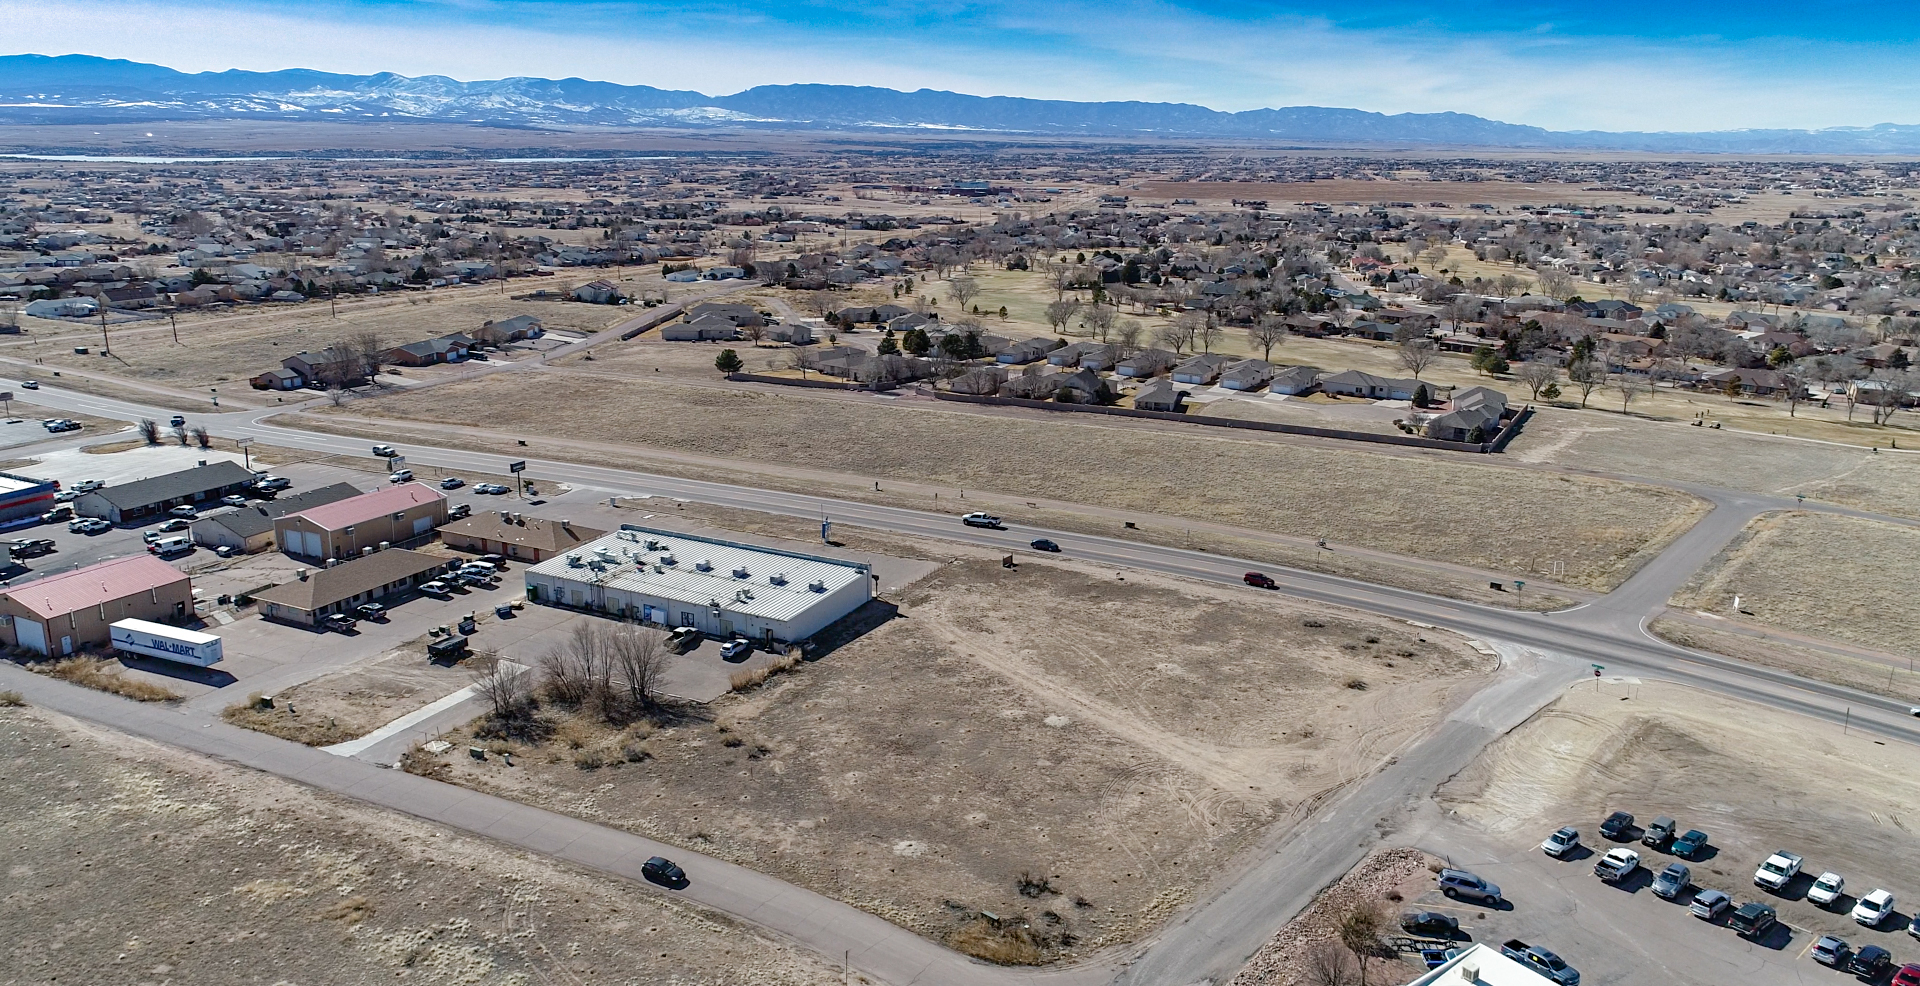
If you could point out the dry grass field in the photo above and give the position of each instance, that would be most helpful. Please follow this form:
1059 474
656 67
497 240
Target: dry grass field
1074 754
352 702
1754 780
1887 483
1876 677
242 877
1467 512
1821 574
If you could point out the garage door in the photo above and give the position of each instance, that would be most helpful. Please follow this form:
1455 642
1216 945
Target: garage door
310 544
32 636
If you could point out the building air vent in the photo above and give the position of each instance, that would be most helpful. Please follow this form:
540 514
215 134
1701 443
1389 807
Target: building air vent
573 561
703 565
740 571
668 560
777 578
817 586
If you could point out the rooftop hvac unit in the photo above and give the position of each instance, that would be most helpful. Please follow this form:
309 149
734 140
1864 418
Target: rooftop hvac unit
333 562
817 586
703 565
652 544
739 571
667 560
743 595
777 578
384 545
573 561
366 551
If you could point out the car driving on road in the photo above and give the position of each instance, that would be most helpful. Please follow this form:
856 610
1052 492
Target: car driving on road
1043 544
980 518
1259 580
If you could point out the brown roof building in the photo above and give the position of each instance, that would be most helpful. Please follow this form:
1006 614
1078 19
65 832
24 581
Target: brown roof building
316 594
516 535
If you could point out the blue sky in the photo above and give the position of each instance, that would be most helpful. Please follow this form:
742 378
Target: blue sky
1553 63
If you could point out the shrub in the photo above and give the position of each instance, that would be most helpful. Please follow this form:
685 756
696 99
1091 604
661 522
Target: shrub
984 939
589 759
91 672
12 699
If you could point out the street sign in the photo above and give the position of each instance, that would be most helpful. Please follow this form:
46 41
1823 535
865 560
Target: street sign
243 442
520 466
6 395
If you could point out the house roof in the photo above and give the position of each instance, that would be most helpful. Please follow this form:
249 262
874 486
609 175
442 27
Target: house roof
326 586
367 506
94 585
257 518
175 485
539 533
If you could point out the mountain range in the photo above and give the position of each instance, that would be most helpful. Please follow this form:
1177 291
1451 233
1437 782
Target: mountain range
83 89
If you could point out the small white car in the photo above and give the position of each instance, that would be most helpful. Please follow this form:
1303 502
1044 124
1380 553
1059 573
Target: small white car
273 483
735 648
185 511
1873 908
234 501
88 525
402 476
436 589
1826 890
385 451
1562 842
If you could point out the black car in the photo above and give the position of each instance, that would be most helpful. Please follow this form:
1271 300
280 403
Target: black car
1431 923
1617 826
1044 545
372 611
1870 961
664 871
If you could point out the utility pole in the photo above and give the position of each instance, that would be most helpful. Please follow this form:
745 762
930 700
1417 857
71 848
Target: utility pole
106 345
174 321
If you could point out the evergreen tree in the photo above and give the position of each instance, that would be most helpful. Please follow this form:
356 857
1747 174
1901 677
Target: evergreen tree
728 362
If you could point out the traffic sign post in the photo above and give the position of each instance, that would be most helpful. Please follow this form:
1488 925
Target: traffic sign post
519 485
246 451
1596 675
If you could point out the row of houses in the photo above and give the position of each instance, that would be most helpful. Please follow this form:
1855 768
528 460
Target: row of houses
342 367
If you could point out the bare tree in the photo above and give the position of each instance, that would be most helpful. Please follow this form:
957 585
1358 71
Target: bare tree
1059 313
1174 336
180 434
1630 388
506 686
819 302
1328 965
963 290
1589 375
150 431
338 395
370 351
1098 320
1536 376
639 659
1555 283
1793 381
1127 335
1208 333
201 436
1267 333
1890 389
754 332
1360 931
1417 355
1062 279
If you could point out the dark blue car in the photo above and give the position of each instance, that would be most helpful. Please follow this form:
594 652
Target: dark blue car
1689 845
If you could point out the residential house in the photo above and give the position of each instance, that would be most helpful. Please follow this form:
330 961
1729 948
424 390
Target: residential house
1202 369
706 328
597 293
792 333
427 352
742 316
1294 380
1757 382
1247 374
980 381
279 379
1358 383
326 367
1159 394
1077 353
1028 351
1146 363
1474 411
502 331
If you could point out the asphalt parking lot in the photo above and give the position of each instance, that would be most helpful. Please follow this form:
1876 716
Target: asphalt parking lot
1624 933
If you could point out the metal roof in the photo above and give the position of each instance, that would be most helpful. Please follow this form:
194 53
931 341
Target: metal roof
257 518
368 506
176 485
776 585
94 585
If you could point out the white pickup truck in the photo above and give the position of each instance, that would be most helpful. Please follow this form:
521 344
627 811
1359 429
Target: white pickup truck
1779 869
1618 864
980 518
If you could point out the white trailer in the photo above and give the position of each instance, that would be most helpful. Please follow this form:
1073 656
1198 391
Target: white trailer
165 642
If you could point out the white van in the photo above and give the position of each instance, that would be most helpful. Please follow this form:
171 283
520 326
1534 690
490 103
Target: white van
168 547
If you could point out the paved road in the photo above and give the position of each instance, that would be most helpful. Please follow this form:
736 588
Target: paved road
1213 937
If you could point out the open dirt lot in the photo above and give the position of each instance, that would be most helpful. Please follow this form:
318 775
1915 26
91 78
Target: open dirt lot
1311 942
1051 746
354 701
1819 574
1755 782
240 877
1471 513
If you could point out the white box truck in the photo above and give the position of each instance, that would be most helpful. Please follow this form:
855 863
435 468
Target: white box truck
165 642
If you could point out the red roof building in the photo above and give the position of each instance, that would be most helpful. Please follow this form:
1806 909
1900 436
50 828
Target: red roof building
63 613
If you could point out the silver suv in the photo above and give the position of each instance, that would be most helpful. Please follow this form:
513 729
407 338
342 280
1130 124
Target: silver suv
1462 884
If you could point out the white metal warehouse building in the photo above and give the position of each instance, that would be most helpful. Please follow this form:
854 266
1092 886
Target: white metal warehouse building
722 588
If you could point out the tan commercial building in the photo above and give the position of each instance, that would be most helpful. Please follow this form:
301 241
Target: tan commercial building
61 614
351 527
314 595
516 535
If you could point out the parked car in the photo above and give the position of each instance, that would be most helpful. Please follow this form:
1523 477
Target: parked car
1831 952
66 496
980 518
1872 910
1618 864
1462 884
478 565
234 500
339 622
372 611
1752 919
1547 964
735 648
88 525
1709 904
89 485
496 560
272 483
30 384
176 524
436 589
1672 881
57 514
1431 923
459 510
473 580
683 639
31 547
1870 962
1689 845
1260 580
385 451
1658 832
1826 891
400 476
1909 975
1913 927
1562 842
452 483
1044 545
1779 869
1617 826
662 870
185 511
